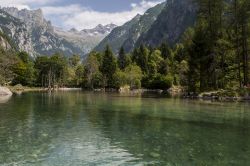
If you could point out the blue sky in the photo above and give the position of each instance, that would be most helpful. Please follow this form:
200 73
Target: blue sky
102 5
82 14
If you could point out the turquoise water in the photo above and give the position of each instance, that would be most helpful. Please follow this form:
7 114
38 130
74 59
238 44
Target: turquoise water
84 128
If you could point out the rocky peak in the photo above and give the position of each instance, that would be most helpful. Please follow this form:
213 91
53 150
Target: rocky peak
138 16
110 27
100 29
30 31
73 30
33 18
4 43
16 32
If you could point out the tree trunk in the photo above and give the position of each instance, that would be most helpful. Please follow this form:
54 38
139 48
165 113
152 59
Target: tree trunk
236 22
245 53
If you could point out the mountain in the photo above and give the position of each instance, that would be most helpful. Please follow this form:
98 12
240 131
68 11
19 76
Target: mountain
4 43
16 31
99 30
31 32
173 21
127 34
38 37
165 22
118 36
85 39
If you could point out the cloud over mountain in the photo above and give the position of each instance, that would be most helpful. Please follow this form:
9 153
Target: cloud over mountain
81 16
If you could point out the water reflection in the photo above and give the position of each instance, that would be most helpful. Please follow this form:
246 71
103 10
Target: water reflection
4 99
93 128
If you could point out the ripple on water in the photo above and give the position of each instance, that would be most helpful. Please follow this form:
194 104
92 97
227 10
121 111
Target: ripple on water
97 129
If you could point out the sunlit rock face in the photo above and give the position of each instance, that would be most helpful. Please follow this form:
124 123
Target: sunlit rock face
4 43
85 39
16 31
32 18
32 33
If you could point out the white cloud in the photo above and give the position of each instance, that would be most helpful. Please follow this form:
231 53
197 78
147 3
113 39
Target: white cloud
80 17
21 4
133 5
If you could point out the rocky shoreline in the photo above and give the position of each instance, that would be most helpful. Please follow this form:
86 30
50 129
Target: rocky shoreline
217 96
175 91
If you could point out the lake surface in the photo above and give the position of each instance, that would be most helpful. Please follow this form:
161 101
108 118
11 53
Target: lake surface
84 128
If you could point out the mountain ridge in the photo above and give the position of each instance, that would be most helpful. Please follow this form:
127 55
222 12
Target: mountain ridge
127 34
173 21
165 22
42 38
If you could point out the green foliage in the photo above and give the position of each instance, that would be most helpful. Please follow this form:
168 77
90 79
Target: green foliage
157 82
183 69
79 73
165 50
24 70
7 61
92 66
137 84
155 61
131 76
120 79
109 67
52 71
141 57
211 55
217 47
122 59
74 60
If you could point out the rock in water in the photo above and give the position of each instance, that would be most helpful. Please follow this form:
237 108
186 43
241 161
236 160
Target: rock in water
5 91
154 155
5 99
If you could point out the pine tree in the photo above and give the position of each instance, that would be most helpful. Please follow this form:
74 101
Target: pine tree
109 67
165 50
244 14
122 59
143 58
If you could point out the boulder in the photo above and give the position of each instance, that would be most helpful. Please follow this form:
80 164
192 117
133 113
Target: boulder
5 91
4 99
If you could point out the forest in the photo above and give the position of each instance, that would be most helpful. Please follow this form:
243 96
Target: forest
211 55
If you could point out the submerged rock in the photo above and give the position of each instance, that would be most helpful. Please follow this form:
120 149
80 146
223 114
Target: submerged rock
5 91
154 155
4 99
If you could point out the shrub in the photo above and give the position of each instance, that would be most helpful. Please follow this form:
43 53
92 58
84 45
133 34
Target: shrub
137 84
158 82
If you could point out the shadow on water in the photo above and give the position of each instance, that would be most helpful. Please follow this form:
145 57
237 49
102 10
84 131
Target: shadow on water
86 128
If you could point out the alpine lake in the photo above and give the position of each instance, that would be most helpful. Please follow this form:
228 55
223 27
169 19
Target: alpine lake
89 128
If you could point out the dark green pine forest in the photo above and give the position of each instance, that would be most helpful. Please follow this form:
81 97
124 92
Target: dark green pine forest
211 55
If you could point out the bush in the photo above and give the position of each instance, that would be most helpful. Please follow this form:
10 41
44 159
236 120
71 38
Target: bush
158 82
137 84
120 79
244 92
97 80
